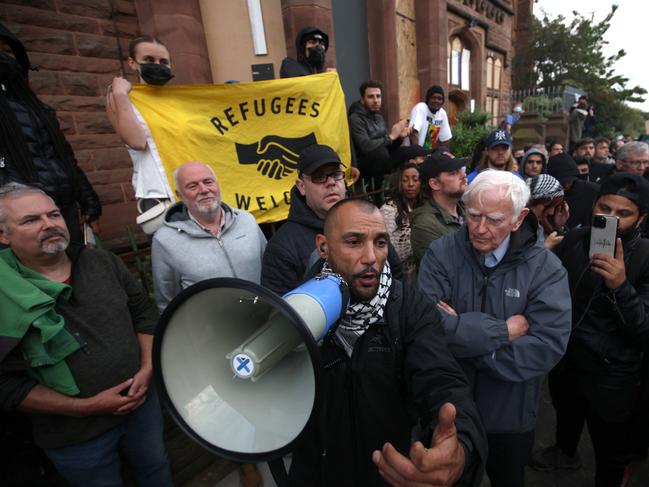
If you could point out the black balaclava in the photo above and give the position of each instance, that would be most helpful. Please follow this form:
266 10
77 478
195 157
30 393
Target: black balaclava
155 74
316 57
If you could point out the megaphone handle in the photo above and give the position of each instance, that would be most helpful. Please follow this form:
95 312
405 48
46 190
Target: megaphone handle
278 471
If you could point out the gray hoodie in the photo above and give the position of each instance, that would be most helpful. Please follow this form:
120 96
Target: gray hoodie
521 170
184 253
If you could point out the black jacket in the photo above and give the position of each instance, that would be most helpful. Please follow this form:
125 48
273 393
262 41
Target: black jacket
292 68
599 172
107 310
396 366
368 129
288 252
610 328
580 199
65 185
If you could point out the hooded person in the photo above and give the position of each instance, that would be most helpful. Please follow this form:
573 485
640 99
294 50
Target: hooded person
311 45
602 379
428 120
533 163
579 194
33 149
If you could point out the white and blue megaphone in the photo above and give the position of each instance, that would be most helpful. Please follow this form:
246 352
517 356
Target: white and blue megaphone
238 367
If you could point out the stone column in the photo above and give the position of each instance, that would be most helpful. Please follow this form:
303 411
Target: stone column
298 14
180 26
432 43
381 32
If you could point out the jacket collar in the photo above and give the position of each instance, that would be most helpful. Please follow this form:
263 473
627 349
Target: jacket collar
522 241
301 214
443 212
178 217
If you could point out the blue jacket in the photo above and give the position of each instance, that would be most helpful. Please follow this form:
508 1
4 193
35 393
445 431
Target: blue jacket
506 376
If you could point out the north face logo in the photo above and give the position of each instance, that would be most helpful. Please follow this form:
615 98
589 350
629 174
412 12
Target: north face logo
511 292
276 157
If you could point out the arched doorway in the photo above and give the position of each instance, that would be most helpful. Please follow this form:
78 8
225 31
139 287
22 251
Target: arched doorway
458 101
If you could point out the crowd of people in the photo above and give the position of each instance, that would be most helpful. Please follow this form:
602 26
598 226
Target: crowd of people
470 283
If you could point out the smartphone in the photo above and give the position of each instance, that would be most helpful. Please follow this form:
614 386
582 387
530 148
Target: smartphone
603 233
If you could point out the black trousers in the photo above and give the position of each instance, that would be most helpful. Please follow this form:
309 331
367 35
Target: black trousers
606 406
508 456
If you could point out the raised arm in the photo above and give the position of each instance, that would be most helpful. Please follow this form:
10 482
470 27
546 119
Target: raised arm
121 115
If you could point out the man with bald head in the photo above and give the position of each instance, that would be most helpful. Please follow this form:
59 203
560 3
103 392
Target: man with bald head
386 358
202 237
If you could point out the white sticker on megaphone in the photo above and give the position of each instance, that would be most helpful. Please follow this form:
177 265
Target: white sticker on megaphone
242 365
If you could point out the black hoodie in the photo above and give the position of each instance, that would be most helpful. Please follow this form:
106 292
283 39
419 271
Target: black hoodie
292 68
289 251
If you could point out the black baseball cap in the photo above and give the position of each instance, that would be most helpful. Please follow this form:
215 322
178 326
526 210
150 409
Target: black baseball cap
631 186
439 163
314 157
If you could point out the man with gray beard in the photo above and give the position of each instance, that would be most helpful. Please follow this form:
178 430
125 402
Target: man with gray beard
202 237
76 331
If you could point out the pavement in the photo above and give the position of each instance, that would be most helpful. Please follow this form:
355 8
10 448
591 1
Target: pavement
585 476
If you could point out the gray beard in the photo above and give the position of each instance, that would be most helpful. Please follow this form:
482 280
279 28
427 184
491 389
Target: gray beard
54 248
209 211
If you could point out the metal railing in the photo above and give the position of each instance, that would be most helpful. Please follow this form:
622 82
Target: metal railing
543 100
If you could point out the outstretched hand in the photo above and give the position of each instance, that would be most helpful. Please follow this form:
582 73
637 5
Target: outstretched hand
440 465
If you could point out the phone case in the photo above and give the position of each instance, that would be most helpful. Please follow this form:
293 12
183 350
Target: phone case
602 239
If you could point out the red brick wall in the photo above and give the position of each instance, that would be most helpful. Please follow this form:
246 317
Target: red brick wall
73 44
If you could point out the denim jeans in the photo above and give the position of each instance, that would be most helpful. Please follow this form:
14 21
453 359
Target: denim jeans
138 438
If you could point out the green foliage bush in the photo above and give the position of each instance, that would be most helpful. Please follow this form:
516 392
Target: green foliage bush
467 132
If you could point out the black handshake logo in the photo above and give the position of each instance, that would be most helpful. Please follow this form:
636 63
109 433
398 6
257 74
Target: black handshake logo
275 156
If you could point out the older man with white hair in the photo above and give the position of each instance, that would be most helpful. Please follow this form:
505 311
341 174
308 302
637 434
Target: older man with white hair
506 310
202 237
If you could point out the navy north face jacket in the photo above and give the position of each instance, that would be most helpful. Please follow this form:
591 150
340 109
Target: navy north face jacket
506 376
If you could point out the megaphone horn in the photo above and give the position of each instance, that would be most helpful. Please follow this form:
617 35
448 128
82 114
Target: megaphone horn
220 332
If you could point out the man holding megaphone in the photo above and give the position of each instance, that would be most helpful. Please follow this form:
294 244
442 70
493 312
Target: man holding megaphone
386 367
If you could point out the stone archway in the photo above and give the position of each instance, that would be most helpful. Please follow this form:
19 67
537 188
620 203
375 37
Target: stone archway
458 102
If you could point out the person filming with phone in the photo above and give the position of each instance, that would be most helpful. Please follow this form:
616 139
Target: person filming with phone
600 379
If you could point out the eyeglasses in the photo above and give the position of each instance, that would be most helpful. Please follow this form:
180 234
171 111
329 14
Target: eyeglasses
637 163
322 178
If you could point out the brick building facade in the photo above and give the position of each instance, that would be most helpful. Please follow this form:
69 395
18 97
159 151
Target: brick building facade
467 46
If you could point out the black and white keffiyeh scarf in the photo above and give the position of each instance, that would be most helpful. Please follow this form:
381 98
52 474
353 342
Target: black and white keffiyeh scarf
359 316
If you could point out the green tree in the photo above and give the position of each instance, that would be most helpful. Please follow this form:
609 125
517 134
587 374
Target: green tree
563 52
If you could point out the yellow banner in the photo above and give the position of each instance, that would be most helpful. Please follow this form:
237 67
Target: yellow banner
250 133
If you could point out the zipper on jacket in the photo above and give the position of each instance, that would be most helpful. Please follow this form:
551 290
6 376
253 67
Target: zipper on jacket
227 256
483 292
